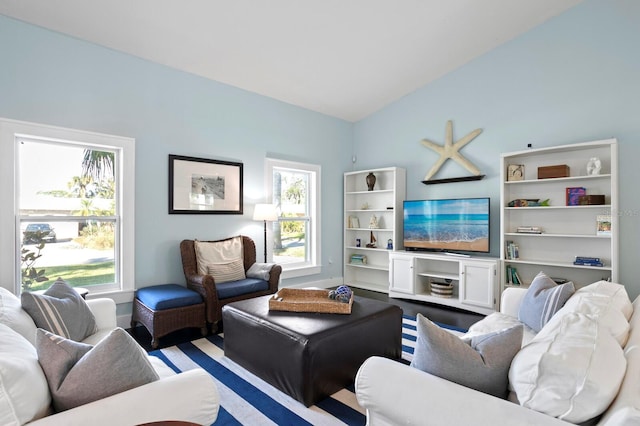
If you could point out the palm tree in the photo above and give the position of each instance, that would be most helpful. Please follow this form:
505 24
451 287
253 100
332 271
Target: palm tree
98 164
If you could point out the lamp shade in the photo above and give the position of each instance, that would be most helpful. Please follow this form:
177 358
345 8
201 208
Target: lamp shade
265 212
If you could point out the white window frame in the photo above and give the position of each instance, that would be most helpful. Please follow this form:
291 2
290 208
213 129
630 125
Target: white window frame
10 132
313 265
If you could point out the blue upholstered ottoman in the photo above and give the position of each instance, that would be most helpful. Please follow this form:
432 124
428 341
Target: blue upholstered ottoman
165 308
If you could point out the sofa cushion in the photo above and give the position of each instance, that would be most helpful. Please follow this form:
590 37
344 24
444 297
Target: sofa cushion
60 310
481 363
24 395
13 316
167 296
211 252
227 271
543 299
571 370
625 409
78 373
238 288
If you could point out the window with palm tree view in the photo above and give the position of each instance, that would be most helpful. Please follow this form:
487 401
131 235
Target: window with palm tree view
68 214
294 193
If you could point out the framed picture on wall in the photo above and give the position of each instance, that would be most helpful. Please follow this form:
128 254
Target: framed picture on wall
204 186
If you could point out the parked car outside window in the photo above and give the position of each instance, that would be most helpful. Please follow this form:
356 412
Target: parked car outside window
35 233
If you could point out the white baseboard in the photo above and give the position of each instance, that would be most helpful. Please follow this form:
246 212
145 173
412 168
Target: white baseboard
124 321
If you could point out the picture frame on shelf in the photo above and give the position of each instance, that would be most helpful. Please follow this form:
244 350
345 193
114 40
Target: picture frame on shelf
603 224
515 172
354 222
204 186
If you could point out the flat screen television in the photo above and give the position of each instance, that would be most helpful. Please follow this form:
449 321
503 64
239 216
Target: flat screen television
449 225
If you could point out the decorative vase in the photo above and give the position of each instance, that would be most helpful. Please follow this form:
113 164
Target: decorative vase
371 181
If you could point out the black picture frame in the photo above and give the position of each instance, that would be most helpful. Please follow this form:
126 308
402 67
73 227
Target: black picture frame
204 186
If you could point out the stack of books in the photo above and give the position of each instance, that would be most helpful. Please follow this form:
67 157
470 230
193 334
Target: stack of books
358 259
529 230
511 250
587 261
512 276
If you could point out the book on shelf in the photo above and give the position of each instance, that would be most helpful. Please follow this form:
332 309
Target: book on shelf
529 230
587 259
586 263
603 224
358 259
573 195
511 250
512 276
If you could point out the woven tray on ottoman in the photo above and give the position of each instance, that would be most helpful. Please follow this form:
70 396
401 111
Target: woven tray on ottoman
165 308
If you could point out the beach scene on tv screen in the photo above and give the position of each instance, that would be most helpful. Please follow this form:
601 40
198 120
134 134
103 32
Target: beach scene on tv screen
460 224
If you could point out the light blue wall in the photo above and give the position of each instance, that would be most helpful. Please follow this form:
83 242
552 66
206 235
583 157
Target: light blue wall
575 78
49 78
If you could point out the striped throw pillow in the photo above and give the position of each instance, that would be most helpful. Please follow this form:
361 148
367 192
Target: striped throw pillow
60 310
227 271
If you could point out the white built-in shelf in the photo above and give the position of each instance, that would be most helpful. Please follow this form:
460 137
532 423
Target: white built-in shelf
569 231
385 202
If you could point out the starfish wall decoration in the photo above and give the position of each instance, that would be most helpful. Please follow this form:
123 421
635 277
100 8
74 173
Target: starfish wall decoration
451 150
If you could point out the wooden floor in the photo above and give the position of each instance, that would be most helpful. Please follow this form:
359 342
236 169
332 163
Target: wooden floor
436 313
441 314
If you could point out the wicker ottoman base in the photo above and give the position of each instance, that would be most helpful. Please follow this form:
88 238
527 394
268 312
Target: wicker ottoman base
160 323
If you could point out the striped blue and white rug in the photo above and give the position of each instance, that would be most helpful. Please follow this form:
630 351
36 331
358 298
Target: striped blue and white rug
246 399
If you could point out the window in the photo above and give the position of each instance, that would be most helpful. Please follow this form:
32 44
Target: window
72 215
295 191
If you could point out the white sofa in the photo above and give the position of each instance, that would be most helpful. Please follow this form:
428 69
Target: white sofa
396 394
190 396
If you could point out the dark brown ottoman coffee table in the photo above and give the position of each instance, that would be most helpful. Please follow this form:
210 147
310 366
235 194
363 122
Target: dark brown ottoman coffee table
309 356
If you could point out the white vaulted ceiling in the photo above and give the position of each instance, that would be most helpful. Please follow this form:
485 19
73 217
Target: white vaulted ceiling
343 58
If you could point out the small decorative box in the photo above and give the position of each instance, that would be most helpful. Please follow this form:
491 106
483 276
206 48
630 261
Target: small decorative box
591 200
548 172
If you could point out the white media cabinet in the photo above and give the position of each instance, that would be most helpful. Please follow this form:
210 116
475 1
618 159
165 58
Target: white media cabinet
475 279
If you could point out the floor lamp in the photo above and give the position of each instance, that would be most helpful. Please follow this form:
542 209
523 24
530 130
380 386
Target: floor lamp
265 212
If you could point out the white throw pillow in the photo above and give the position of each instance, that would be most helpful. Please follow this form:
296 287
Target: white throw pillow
498 321
602 309
571 370
24 393
616 292
209 253
12 315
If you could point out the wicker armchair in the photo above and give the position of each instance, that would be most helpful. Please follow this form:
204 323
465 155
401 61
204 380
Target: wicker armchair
206 285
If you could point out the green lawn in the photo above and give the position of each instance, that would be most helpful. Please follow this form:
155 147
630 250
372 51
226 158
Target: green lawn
78 275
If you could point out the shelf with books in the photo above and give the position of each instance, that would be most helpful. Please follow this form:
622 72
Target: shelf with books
568 229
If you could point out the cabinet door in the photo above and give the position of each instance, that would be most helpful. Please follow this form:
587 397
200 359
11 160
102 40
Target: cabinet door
401 275
477 283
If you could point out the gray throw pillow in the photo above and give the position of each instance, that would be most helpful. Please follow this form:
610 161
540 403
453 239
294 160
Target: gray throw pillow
78 373
481 363
543 299
60 310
